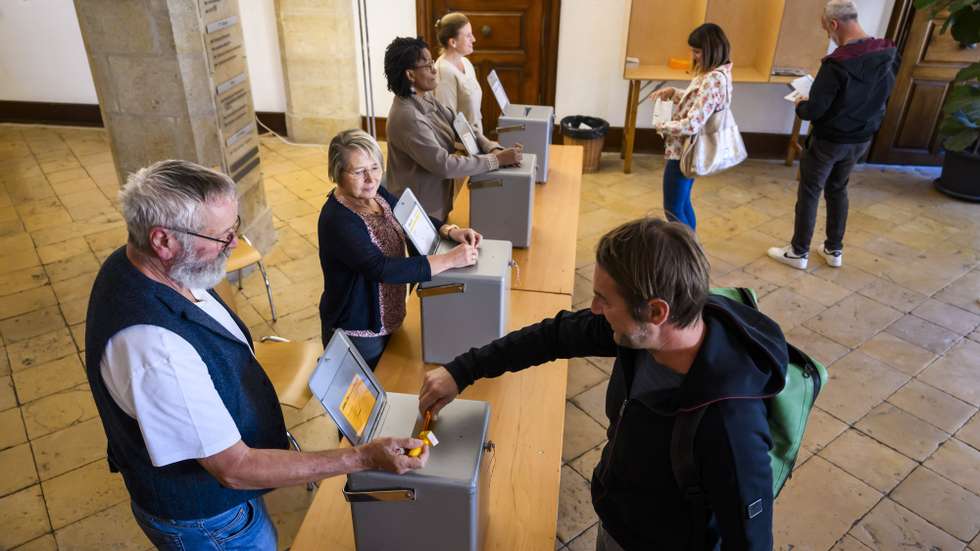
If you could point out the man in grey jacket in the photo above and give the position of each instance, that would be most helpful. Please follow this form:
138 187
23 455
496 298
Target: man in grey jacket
421 139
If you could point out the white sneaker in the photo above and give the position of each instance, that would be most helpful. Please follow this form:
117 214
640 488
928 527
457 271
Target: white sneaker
788 257
834 258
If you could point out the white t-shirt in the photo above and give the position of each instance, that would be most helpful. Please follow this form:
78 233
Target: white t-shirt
460 90
159 379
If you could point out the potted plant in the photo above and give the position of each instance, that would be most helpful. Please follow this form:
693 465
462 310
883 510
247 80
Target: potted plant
961 126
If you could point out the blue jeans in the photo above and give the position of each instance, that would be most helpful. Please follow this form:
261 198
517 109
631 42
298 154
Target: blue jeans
246 526
677 195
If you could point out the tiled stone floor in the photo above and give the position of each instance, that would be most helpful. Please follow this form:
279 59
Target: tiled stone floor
892 454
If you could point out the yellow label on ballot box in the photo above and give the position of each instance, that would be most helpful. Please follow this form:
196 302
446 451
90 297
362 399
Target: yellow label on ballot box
357 404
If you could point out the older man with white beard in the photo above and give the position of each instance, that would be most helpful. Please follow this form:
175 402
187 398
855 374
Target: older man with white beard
192 421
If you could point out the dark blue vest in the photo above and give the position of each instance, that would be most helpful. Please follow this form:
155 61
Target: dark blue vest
122 297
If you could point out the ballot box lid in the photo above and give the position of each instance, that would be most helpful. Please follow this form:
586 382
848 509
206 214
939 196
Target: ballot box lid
526 169
526 112
348 390
493 262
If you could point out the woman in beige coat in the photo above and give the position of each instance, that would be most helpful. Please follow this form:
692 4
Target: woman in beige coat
421 139
458 87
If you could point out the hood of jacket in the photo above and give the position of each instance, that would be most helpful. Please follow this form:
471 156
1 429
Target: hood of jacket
867 60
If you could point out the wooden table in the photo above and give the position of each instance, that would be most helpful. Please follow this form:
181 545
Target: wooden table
642 76
548 265
527 418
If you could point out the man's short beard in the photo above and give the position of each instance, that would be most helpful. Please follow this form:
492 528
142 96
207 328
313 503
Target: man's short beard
193 273
632 341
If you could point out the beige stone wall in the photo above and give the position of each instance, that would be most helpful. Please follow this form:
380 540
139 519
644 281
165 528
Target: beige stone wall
156 82
319 56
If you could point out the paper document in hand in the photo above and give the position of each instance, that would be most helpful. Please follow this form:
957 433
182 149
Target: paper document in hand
801 88
663 111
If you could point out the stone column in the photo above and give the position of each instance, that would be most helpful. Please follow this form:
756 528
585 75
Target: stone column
319 56
173 84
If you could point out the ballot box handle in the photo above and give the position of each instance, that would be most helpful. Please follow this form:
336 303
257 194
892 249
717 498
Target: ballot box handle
511 128
486 184
450 289
399 494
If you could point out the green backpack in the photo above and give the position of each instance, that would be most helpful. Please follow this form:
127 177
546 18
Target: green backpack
788 412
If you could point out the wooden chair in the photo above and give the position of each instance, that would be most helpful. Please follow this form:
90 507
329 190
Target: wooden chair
288 364
243 256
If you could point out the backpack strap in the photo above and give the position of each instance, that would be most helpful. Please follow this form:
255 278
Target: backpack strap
686 470
748 298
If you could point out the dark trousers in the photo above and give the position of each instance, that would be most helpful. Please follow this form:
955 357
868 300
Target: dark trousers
825 166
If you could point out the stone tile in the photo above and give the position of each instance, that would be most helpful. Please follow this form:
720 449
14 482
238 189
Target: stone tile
858 383
897 353
49 378
850 277
26 301
821 429
31 324
70 448
774 272
293 416
593 402
820 290
575 512
586 463
815 345
802 518
65 249
75 266
43 543
41 349
319 433
933 406
58 411
603 363
74 287
4 362
11 428
115 528
849 543
955 319
22 517
82 492
19 260
739 278
970 433
287 507
22 280
789 309
8 397
878 466
582 433
901 431
78 335
17 466
963 292
956 372
853 321
582 376
899 298
940 502
957 462
74 311
891 526
923 333
586 541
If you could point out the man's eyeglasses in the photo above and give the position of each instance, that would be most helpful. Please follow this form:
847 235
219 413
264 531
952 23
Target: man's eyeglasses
230 235
361 173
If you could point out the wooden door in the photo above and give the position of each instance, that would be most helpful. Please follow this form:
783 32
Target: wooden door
909 134
517 38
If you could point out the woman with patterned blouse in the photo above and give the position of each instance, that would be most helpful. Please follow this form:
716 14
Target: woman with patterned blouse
366 270
710 91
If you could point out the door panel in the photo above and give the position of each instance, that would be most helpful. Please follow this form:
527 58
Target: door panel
517 38
930 61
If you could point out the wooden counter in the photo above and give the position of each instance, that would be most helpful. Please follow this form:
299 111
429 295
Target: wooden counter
527 420
548 265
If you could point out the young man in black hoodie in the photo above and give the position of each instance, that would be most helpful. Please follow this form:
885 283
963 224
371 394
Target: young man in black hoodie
677 348
846 106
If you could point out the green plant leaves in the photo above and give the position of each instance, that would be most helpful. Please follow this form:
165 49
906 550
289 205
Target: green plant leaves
966 24
961 140
969 72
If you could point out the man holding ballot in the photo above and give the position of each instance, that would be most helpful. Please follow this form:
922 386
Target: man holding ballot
846 105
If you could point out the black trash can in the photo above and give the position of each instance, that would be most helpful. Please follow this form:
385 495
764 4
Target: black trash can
590 133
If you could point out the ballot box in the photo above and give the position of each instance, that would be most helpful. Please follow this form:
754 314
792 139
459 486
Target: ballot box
442 506
502 202
529 125
461 308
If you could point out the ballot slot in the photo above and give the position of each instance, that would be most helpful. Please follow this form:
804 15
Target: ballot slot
528 125
388 509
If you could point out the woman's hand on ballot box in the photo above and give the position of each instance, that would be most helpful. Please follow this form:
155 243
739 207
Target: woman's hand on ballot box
391 454
510 156
438 389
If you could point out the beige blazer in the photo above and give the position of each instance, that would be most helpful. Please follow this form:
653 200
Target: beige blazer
460 91
421 153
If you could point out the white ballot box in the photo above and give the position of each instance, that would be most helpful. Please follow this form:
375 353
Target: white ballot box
462 307
529 125
502 202
442 506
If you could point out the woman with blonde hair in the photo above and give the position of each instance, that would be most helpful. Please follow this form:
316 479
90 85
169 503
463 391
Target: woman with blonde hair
458 87
709 91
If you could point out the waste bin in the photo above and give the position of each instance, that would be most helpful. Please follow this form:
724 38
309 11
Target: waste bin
590 133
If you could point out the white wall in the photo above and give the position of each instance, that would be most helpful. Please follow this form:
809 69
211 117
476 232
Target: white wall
42 58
